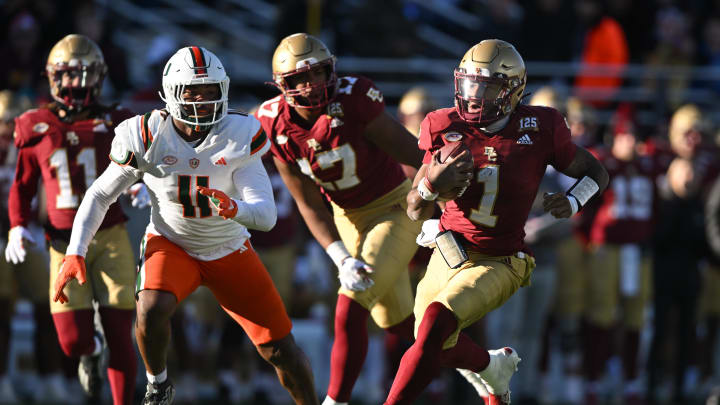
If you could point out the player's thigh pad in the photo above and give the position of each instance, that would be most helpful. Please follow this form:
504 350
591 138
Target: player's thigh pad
572 275
280 263
246 292
482 284
383 236
165 266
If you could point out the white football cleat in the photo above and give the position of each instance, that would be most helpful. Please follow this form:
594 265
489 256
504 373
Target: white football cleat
497 375
474 379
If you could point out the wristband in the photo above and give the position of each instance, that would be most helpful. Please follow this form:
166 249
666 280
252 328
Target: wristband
573 204
337 252
583 190
425 190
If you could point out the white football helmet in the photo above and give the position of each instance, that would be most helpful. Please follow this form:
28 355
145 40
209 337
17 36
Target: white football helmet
190 66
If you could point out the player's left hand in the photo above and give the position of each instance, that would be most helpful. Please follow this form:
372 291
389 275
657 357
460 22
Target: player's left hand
226 206
139 196
73 267
557 204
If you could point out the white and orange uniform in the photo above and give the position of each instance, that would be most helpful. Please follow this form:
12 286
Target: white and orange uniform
187 244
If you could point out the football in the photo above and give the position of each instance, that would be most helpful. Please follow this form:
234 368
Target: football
451 149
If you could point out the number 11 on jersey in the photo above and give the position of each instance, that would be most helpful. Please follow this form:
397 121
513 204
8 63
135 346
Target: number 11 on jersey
185 189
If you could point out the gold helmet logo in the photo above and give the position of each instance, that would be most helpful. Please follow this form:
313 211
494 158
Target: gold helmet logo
304 70
489 81
76 69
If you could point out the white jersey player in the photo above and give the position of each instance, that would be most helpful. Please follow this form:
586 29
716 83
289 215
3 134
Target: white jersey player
202 166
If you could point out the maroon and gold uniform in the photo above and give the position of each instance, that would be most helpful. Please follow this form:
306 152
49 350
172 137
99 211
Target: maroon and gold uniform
365 186
491 214
350 171
623 222
68 156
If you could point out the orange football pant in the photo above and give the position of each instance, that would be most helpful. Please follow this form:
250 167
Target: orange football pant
239 281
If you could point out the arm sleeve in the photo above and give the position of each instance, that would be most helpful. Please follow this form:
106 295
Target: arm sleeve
98 198
257 209
24 187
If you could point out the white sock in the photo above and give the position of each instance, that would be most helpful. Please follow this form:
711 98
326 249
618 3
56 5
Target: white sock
330 401
157 379
98 346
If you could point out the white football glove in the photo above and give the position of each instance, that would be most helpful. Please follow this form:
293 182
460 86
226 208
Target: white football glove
15 250
139 196
353 275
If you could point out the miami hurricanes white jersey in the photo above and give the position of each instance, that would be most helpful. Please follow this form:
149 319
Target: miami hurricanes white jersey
172 168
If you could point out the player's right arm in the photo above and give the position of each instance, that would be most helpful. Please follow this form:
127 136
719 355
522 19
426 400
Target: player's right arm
22 191
311 204
434 179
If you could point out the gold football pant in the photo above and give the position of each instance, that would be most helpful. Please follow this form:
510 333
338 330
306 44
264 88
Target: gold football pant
477 287
382 235
110 273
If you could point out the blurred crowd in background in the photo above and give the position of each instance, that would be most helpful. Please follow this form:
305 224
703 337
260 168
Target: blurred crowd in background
639 83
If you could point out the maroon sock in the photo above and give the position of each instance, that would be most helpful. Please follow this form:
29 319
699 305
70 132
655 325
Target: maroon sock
48 354
631 347
349 349
466 354
75 330
122 365
398 338
421 363
597 341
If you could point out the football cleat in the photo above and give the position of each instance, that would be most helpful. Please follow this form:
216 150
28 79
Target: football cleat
497 375
474 379
90 371
159 394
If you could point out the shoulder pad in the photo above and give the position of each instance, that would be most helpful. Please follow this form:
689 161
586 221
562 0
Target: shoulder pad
32 125
132 138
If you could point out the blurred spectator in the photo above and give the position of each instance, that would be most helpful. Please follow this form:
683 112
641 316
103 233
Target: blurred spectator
603 46
502 19
24 59
545 31
91 20
674 48
679 246
710 47
620 260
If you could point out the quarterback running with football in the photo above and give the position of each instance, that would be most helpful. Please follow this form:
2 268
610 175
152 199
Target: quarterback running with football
66 144
332 140
202 165
480 258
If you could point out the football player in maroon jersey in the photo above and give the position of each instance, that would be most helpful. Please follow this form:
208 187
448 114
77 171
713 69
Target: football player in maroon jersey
619 266
66 144
480 258
332 140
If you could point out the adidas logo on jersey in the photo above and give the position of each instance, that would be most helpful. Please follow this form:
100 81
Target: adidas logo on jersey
221 161
525 140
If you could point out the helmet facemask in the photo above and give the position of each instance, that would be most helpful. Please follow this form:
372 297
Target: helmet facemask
482 99
74 85
315 94
191 112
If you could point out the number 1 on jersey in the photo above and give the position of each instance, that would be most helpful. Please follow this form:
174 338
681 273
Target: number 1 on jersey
185 197
488 175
